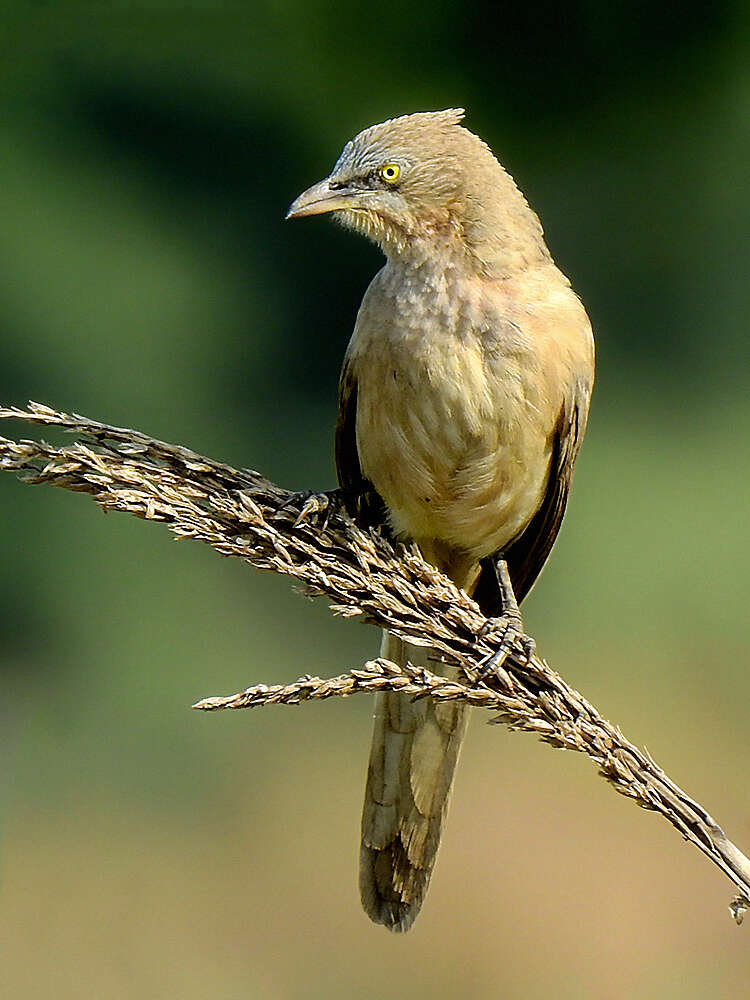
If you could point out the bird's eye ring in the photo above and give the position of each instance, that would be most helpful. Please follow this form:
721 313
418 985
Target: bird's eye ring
390 172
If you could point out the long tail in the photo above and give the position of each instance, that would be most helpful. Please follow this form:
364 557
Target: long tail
412 761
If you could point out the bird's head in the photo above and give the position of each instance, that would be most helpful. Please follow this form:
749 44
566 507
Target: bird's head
423 180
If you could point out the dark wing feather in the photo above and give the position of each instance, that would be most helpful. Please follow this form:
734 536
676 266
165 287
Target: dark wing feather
348 468
528 553
361 498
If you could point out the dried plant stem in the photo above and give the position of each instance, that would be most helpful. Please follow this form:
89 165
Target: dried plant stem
240 513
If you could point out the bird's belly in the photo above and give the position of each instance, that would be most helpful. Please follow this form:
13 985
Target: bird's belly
455 449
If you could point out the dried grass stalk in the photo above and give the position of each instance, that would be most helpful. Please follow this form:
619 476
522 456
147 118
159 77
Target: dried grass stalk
239 513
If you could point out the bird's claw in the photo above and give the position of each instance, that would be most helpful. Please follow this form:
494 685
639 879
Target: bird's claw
511 635
311 504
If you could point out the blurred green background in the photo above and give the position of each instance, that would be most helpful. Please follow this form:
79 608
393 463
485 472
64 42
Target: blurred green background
149 152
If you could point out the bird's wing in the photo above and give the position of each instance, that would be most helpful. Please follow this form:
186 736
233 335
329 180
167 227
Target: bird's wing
528 553
347 457
368 505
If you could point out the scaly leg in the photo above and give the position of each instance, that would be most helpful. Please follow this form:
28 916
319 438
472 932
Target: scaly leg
509 624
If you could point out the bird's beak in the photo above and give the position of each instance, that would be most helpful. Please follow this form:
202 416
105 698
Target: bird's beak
322 198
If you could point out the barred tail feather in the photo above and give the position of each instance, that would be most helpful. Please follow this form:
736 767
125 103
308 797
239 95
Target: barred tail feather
415 748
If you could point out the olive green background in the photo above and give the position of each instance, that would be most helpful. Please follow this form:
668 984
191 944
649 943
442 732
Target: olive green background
148 154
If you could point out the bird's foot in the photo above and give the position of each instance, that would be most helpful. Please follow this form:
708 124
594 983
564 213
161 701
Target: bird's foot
312 504
509 629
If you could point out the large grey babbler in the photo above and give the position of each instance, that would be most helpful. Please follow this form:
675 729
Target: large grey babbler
462 405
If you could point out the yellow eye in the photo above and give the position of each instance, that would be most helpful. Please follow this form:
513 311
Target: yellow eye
390 172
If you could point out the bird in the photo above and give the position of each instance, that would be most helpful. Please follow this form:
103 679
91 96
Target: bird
463 401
